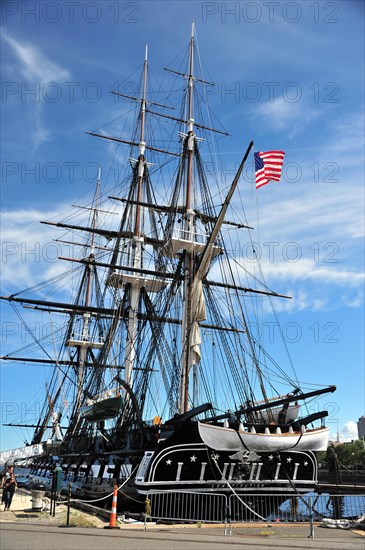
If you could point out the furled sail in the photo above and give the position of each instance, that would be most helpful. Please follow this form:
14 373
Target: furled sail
199 309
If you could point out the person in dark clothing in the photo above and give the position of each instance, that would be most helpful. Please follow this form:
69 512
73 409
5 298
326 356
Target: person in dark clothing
2 477
9 489
5 477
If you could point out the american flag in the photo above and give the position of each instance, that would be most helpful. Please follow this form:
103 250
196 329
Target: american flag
268 166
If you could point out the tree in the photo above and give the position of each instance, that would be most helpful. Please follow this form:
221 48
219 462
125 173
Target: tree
349 455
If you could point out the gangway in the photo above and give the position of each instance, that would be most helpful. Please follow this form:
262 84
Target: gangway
22 453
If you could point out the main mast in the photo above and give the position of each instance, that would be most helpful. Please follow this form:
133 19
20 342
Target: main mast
197 256
186 362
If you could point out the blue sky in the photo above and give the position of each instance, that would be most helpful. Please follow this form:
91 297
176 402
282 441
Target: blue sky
289 76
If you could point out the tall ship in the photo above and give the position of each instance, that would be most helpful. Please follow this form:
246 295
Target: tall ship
155 375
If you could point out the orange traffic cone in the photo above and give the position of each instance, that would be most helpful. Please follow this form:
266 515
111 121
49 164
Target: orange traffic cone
113 513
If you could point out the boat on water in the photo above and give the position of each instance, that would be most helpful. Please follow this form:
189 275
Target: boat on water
157 378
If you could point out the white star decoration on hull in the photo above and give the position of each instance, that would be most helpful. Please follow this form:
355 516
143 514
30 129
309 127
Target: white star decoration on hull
261 468
215 456
192 459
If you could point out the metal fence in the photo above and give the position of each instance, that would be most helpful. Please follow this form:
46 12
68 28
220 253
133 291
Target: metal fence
185 506
295 508
218 508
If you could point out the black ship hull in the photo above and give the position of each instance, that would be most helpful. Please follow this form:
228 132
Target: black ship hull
183 462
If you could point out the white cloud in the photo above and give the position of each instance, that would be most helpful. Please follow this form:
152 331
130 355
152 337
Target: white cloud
312 286
348 135
37 70
346 434
28 250
34 65
333 212
349 431
282 114
306 269
355 301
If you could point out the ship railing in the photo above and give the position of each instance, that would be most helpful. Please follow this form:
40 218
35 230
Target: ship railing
85 341
188 235
183 239
86 338
342 476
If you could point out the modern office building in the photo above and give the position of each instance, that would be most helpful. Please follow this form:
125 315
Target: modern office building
361 428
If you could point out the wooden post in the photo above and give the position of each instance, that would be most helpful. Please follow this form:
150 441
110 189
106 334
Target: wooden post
68 504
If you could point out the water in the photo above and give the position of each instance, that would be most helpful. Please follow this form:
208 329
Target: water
337 506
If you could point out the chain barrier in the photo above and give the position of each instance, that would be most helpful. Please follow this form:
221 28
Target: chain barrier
110 494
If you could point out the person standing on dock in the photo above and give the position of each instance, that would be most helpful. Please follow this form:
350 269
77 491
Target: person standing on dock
8 471
9 490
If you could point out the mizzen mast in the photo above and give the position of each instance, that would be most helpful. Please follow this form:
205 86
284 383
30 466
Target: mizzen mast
82 341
